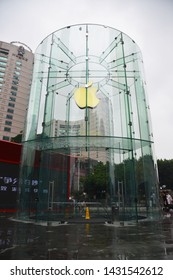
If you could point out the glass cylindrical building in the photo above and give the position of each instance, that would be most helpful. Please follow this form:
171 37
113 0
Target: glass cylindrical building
88 133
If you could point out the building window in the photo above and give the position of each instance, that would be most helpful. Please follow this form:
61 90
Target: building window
19 63
12 99
14 93
10 111
7 129
9 117
15 77
4 51
2 68
15 83
2 74
11 105
8 123
16 72
14 88
3 63
3 58
6 138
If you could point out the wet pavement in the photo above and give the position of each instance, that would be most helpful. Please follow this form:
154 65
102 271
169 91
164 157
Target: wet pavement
86 241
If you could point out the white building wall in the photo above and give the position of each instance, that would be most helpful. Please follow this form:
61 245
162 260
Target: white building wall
16 65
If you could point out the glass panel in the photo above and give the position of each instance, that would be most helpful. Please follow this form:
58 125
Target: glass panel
12 99
13 93
3 58
7 129
14 88
6 138
3 63
10 111
9 116
8 122
11 104
88 134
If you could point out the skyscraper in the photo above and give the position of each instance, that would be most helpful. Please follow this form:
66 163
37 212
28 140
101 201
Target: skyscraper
16 65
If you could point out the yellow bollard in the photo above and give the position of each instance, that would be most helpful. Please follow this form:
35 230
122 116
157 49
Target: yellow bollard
87 214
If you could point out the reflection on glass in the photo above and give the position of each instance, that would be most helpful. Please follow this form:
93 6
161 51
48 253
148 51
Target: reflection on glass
88 135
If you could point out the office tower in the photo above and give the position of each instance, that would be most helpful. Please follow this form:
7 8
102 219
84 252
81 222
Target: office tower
16 65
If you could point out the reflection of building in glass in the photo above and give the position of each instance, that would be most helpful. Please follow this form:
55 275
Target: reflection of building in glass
88 108
16 64
62 128
77 128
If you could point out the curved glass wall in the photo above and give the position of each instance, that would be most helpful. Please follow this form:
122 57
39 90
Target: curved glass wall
88 134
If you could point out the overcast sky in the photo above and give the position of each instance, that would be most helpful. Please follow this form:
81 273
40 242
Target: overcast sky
148 22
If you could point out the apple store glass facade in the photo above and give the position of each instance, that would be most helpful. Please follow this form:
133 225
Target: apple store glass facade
88 134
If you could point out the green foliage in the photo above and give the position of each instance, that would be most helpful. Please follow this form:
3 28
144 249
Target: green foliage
165 170
96 183
17 138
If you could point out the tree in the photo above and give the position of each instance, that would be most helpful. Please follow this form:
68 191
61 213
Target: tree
17 138
96 183
165 170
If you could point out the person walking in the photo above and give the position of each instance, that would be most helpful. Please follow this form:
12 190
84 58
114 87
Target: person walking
169 198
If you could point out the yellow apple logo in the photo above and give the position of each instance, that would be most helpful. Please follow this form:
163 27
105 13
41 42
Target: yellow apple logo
86 96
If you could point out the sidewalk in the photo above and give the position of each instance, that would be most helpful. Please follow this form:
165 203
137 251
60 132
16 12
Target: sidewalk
90 240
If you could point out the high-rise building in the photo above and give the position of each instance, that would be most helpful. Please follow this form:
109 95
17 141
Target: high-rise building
16 66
